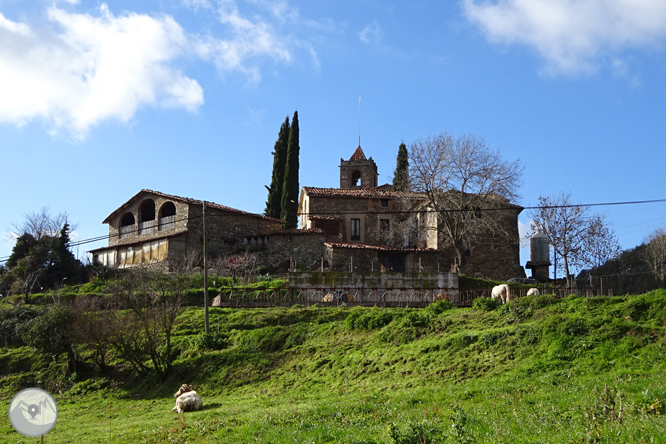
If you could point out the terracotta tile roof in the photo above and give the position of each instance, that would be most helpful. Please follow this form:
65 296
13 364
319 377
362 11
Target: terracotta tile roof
358 154
299 231
315 217
358 246
376 192
189 201
135 241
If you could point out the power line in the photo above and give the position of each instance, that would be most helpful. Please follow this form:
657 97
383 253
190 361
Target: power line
461 210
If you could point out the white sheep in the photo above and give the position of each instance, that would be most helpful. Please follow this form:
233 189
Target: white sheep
501 292
187 400
533 292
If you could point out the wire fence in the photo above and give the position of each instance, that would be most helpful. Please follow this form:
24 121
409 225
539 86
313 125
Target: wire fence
381 297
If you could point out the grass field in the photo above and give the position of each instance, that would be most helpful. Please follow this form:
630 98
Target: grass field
572 370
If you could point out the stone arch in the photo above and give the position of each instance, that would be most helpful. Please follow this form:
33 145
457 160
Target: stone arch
167 209
127 219
147 210
356 178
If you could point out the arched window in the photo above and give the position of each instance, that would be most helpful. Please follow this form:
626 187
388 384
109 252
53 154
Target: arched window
167 219
356 178
126 228
127 219
147 222
147 210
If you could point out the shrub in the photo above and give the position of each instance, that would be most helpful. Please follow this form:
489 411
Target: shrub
416 318
485 304
368 319
438 307
210 341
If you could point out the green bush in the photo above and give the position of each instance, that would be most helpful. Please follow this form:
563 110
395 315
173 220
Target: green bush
363 319
210 341
416 318
485 304
438 307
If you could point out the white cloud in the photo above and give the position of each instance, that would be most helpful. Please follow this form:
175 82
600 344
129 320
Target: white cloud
196 4
94 68
571 35
249 39
371 33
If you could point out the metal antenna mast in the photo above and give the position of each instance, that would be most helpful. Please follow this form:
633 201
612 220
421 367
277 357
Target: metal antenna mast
359 121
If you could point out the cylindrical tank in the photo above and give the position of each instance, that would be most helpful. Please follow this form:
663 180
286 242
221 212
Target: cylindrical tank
539 248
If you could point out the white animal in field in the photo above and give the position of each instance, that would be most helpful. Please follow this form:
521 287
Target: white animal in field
533 292
187 400
501 292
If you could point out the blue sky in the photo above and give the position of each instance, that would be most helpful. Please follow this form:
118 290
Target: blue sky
100 100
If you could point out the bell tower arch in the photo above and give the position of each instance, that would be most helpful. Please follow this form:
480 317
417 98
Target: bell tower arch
358 171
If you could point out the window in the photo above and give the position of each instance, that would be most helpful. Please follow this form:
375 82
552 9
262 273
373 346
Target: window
384 225
356 229
356 178
468 253
384 202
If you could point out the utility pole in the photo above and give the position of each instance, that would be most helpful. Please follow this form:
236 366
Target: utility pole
205 271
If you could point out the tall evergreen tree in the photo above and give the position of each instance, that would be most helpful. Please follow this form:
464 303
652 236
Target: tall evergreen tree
290 187
274 202
401 176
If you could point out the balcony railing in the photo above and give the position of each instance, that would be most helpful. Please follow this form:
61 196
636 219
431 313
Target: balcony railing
147 227
127 231
167 223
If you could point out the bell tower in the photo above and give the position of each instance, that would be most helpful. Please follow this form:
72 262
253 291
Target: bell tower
358 172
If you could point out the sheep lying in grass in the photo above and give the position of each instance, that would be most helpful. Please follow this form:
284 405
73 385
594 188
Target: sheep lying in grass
187 400
533 292
501 292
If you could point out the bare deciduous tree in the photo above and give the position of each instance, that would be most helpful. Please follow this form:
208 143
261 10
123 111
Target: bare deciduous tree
154 300
654 254
243 263
579 237
462 177
40 224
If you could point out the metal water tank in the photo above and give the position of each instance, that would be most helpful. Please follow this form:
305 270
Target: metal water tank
539 248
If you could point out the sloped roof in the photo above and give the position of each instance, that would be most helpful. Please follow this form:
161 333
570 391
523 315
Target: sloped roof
188 201
359 246
358 154
298 231
375 192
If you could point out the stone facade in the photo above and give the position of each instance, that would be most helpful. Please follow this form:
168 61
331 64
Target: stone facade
358 172
369 226
153 227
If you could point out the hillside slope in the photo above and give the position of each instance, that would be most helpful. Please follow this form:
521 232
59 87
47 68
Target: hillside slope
534 370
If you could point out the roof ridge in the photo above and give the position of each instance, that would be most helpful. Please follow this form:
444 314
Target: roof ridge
358 154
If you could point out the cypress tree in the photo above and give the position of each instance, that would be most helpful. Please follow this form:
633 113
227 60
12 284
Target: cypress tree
274 202
401 176
290 187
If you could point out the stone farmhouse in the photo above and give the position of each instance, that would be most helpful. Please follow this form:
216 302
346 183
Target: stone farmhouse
152 227
373 228
360 226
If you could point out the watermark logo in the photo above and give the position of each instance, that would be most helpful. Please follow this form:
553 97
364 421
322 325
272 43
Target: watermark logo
33 412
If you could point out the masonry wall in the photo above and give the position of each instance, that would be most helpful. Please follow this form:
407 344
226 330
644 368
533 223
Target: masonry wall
372 280
180 223
367 168
496 256
303 249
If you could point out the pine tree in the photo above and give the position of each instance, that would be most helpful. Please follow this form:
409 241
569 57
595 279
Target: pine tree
290 187
274 202
401 176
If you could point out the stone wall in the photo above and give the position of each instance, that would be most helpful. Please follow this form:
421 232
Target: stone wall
346 280
304 249
180 223
367 168
496 256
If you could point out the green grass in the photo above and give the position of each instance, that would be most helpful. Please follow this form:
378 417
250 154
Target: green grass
567 370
